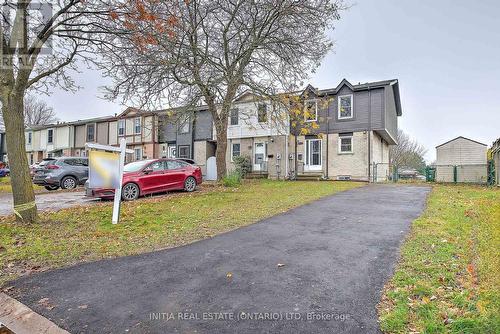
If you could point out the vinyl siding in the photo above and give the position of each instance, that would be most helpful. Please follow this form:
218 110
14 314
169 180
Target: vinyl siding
461 152
203 125
80 135
103 133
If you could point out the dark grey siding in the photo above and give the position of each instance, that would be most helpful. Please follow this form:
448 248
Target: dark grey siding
365 103
391 118
203 125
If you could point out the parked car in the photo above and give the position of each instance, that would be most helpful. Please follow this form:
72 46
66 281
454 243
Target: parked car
64 172
189 161
152 176
39 165
4 172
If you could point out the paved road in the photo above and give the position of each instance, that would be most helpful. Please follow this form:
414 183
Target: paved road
49 201
337 253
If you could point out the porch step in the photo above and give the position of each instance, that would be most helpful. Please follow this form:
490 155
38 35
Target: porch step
309 177
256 175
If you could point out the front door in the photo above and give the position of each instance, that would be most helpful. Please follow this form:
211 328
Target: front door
313 155
260 157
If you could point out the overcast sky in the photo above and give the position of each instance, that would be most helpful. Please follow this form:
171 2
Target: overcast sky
446 55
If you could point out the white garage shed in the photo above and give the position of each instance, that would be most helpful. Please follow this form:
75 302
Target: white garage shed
461 160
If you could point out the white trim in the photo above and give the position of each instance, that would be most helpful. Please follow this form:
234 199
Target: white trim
307 166
52 129
340 145
316 110
352 106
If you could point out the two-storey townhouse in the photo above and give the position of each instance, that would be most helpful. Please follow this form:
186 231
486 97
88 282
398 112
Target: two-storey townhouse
187 134
356 126
140 130
46 141
94 130
3 148
259 129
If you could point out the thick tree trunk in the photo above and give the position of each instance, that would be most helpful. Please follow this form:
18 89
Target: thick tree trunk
22 187
220 152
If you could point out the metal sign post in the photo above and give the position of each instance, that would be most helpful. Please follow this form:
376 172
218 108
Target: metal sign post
110 175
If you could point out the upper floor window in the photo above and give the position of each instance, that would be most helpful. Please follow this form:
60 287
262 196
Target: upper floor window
345 143
262 113
90 132
30 136
234 116
50 136
137 125
345 106
184 125
311 110
121 127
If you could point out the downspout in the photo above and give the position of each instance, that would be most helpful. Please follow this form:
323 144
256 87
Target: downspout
369 132
327 135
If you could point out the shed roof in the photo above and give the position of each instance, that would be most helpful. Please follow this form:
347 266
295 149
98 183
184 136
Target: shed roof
461 137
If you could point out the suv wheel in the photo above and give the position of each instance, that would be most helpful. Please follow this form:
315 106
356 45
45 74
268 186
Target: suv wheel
51 187
68 182
190 184
130 192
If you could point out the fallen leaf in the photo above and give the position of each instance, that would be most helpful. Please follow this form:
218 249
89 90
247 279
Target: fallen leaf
83 307
229 274
281 265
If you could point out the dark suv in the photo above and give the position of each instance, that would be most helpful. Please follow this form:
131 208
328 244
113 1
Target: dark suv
64 172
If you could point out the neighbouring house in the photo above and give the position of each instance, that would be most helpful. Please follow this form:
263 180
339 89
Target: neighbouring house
256 130
495 154
186 134
461 160
356 124
47 141
3 148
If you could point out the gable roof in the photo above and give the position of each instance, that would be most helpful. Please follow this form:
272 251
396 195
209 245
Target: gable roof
461 137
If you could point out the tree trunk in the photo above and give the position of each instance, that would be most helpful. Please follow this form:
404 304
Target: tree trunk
220 152
22 187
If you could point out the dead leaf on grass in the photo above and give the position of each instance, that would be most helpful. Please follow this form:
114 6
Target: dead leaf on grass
229 275
281 265
83 307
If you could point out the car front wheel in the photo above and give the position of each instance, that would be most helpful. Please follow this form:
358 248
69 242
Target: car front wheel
130 192
190 184
68 182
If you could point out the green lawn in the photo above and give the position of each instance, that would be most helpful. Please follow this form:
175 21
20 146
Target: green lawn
86 233
448 278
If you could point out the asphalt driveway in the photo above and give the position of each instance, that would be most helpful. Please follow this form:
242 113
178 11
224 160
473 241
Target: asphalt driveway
318 268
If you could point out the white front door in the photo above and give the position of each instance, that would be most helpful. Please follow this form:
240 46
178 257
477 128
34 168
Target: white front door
313 155
260 157
172 152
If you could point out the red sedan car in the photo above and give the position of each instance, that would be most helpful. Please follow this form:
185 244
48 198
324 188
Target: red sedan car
153 176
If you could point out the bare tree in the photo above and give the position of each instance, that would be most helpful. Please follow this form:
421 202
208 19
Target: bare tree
36 112
208 51
408 152
39 43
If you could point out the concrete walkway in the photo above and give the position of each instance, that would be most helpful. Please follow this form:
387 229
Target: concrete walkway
319 268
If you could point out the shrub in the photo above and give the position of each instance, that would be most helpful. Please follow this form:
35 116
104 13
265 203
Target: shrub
242 164
232 179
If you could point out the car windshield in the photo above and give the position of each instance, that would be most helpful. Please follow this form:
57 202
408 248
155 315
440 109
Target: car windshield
136 166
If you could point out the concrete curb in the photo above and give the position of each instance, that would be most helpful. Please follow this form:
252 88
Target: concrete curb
22 320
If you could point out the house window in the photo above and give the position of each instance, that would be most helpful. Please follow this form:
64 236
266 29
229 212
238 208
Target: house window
184 126
262 113
50 136
29 137
311 110
345 143
90 132
137 125
138 153
121 127
184 152
234 116
345 106
235 150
